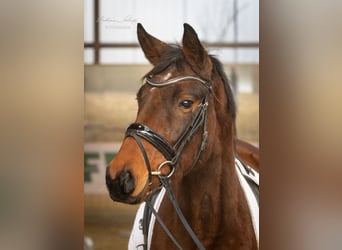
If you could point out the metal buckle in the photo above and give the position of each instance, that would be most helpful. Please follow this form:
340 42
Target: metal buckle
158 172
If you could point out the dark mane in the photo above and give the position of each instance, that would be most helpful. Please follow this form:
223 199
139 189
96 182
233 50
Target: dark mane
174 56
218 67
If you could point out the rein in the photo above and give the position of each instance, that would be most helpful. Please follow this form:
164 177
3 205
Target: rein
172 154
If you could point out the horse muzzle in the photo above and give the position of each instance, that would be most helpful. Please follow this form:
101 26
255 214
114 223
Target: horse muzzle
121 187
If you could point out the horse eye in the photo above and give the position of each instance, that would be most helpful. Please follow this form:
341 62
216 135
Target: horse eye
186 104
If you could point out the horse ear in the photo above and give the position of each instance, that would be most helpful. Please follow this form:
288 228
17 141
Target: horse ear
153 48
195 53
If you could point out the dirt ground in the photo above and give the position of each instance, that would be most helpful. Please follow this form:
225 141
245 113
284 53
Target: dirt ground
107 114
107 223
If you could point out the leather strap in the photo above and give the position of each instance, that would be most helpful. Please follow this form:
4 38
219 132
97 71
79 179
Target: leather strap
175 204
172 154
156 140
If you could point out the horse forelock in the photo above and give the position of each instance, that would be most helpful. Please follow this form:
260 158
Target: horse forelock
173 56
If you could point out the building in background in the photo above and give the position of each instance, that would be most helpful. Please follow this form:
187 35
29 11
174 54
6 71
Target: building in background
228 28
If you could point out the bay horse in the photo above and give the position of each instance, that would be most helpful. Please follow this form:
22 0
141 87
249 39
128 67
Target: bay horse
183 144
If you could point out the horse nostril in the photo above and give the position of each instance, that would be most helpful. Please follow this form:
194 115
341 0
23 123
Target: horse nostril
127 182
121 186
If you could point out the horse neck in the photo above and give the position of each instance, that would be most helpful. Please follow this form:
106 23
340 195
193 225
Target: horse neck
212 201
212 183
209 195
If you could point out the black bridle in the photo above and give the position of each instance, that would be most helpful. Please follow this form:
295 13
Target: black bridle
173 153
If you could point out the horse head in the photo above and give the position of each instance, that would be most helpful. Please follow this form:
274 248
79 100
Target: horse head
186 114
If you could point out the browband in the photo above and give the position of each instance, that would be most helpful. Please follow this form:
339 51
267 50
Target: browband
177 79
